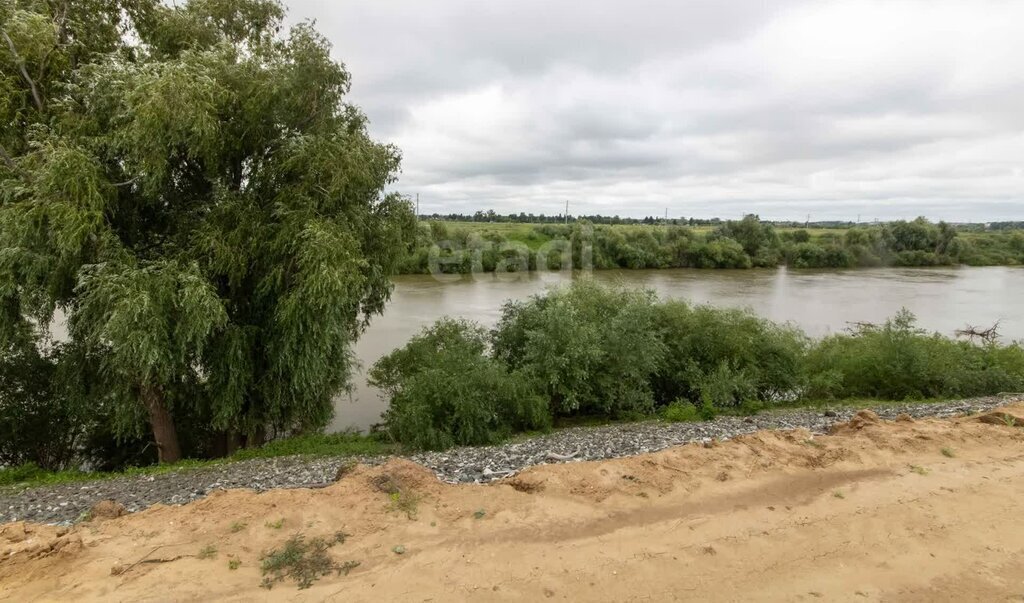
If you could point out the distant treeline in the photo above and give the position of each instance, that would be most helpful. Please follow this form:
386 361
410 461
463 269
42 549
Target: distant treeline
530 218
443 247
525 218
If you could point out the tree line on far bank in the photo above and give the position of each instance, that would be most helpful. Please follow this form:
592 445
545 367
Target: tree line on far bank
491 216
608 353
446 248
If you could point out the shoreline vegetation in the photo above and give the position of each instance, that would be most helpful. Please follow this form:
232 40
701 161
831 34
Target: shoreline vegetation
588 354
491 244
596 351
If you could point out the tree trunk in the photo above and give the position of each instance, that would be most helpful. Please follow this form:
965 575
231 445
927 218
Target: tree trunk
162 422
232 442
257 438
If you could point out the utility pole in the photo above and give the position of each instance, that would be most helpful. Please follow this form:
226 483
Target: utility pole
567 212
417 207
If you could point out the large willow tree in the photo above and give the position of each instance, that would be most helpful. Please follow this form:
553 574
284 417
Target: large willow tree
188 186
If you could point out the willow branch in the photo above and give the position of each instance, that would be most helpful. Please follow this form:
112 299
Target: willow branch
128 182
8 159
24 71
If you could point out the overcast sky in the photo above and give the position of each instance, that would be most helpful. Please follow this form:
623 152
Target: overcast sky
706 108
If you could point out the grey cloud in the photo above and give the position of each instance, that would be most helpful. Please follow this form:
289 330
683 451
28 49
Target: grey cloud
774 107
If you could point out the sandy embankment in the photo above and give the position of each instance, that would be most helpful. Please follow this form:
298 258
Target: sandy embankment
908 510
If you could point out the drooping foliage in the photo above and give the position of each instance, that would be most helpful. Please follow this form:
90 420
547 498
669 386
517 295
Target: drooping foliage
188 187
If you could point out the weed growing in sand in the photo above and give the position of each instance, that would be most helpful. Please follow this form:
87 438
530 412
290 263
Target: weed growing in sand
234 564
838 494
918 469
402 499
238 526
406 502
1009 420
814 443
304 561
479 514
275 525
207 552
948 452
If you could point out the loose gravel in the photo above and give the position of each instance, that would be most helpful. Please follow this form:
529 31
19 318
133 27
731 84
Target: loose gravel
66 503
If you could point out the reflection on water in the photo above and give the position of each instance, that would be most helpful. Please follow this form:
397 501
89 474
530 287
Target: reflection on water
820 302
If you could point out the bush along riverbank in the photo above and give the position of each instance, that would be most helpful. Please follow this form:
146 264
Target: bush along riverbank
601 353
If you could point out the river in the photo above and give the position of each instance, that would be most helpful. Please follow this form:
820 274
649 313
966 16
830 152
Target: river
819 301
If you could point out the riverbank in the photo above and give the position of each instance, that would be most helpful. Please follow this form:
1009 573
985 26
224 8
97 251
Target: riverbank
914 509
69 502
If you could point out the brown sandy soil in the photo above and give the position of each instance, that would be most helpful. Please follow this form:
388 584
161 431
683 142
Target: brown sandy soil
876 511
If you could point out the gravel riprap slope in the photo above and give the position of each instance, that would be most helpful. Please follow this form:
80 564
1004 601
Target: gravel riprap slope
67 502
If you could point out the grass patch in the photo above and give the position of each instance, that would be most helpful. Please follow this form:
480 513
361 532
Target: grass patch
838 494
681 412
948 452
238 526
334 444
303 561
29 475
234 564
207 552
275 525
918 469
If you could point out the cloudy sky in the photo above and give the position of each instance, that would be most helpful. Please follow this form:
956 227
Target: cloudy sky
704 108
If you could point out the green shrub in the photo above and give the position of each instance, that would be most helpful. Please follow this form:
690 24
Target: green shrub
592 349
681 411
725 355
444 391
724 387
897 360
447 336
